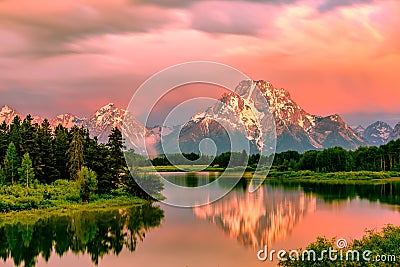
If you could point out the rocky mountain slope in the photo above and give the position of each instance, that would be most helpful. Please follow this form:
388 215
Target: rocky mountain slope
379 133
296 129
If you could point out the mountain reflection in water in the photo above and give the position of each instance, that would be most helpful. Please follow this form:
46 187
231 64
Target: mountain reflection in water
270 214
259 218
96 233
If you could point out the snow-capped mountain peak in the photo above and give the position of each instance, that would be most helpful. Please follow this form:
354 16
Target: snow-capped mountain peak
7 114
296 129
378 133
67 120
396 132
359 130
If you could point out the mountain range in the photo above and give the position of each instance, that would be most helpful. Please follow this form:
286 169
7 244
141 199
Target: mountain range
296 129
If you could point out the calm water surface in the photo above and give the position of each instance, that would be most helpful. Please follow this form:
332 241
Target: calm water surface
228 232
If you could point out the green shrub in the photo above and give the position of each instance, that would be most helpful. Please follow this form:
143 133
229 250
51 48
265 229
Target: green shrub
385 242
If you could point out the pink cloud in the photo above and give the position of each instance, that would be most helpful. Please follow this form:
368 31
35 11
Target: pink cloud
86 54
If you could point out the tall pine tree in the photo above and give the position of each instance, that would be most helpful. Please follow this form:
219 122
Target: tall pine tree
116 158
15 134
26 172
3 140
11 164
76 152
47 169
29 140
96 158
61 145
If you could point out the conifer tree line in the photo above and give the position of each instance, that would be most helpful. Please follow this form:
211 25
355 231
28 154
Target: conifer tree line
383 158
335 159
32 153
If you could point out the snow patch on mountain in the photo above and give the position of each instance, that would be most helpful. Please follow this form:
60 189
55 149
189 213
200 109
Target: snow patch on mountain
378 133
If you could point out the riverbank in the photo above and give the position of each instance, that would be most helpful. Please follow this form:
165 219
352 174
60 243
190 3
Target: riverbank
352 176
181 168
100 205
60 196
334 177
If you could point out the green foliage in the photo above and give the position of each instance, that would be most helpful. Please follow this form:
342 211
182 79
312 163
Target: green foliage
17 197
115 163
334 159
49 156
46 171
231 159
26 172
136 160
384 158
75 152
144 185
30 141
11 163
14 135
61 145
2 177
87 180
385 242
3 140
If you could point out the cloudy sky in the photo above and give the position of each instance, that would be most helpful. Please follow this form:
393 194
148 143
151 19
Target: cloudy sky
339 56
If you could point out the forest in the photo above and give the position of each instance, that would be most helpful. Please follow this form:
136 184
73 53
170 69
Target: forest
41 167
45 167
336 159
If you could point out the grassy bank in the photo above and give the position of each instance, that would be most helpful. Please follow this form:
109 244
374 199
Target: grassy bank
334 177
61 195
181 168
71 208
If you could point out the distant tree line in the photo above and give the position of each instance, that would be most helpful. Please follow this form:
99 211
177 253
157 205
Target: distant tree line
224 160
335 159
383 158
33 153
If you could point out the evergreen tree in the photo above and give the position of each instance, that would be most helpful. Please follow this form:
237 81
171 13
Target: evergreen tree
3 140
116 144
61 145
29 140
96 158
87 180
47 172
2 176
15 134
11 163
75 152
26 172
115 159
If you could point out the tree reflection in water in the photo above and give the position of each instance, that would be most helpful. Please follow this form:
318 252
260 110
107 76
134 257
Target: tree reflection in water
96 233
